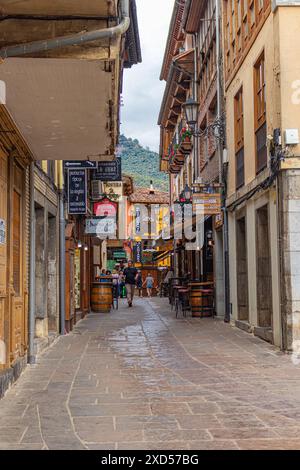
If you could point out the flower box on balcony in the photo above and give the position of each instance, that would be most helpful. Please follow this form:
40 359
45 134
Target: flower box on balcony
186 140
186 147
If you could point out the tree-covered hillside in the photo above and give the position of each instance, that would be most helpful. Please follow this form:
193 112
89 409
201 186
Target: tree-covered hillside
142 164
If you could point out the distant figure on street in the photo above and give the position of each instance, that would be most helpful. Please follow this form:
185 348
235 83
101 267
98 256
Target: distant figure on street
103 275
149 282
122 284
116 285
130 274
139 283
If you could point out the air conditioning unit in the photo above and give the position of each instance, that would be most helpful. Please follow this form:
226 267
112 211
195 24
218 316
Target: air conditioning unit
96 190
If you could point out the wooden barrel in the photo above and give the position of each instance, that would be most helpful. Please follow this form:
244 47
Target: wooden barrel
101 297
201 300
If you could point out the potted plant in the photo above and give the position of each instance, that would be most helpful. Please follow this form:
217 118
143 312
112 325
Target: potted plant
185 135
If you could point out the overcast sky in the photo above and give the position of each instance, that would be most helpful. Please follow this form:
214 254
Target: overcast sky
142 92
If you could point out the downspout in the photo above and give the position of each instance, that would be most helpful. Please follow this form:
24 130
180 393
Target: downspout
62 251
73 40
31 329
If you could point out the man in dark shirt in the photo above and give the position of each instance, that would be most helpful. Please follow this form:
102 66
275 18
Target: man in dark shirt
130 274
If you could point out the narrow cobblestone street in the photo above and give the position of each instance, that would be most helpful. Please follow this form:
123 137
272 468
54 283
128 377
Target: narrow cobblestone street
140 379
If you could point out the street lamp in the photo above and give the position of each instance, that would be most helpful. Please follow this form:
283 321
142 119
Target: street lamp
190 108
187 192
186 195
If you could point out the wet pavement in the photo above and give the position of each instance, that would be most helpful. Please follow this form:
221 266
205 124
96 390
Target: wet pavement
140 379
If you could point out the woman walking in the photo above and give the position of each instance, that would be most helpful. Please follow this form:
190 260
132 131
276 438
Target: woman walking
149 282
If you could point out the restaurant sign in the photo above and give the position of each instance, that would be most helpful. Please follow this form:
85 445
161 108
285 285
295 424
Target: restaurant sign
211 202
219 221
108 171
100 227
113 189
138 252
105 208
77 192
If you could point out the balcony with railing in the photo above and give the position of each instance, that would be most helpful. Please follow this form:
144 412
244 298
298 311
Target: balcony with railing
180 147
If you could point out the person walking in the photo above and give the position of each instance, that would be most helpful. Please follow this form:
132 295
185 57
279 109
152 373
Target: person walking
122 284
139 283
130 274
149 282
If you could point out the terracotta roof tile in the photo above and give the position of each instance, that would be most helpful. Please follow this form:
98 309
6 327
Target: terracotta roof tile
143 195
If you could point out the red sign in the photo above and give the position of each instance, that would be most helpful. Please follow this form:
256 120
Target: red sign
105 208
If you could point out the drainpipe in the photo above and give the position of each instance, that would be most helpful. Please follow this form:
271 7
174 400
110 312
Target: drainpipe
62 251
31 329
73 40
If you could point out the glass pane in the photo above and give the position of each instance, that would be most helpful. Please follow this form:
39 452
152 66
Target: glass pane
240 173
261 148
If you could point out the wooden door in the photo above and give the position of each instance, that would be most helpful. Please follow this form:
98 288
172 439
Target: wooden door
18 318
3 256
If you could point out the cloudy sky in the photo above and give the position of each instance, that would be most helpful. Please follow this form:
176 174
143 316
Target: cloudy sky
142 92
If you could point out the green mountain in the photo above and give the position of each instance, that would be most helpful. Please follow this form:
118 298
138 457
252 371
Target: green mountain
142 164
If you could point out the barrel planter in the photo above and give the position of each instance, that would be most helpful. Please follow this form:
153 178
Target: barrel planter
201 300
101 297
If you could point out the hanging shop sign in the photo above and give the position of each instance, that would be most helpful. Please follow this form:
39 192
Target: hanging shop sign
211 202
137 220
80 165
100 227
219 221
138 252
119 255
2 232
77 192
105 208
108 171
113 189
147 257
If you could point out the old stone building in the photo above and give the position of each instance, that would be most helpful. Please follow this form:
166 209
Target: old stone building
263 121
191 154
14 250
61 76
46 252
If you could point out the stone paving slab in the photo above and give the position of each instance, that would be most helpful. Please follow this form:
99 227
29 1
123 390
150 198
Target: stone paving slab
141 379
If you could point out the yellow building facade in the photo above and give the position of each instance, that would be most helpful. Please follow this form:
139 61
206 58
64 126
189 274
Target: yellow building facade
261 67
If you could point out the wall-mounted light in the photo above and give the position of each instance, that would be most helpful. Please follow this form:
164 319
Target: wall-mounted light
191 111
79 244
86 248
